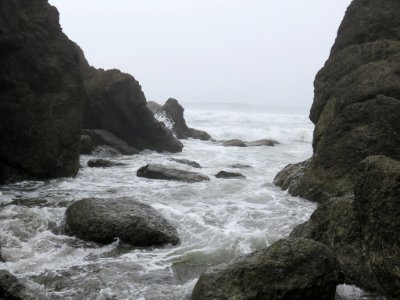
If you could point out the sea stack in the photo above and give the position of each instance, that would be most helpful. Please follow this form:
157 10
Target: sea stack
41 92
356 103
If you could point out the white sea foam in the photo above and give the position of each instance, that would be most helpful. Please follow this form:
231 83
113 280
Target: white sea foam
216 220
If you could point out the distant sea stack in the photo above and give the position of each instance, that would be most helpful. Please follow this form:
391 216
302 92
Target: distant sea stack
356 106
41 94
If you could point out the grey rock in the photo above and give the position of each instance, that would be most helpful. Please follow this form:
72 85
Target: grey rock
154 107
264 142
104 220
154 171
187 162
234 143
86 146
229 175
103 163
11 288
296 269
240 166
175 112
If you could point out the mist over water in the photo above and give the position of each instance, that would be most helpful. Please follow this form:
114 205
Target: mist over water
216 221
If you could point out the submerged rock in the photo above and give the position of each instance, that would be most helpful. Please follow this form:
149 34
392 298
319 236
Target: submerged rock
264 142
175 112
240 166
296 269
229 175
234 143
187 162
41 92
104 220
11 288
154 171
357 99
103 163
103 137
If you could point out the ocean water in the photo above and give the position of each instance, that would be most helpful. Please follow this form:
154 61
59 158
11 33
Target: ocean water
216 220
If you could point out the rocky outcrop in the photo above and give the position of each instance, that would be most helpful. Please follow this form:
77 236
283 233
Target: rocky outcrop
229 175
12 289
116 103
104 220
174 112
41 92
103 163
187 162
103 137
154 171
357 100
297 269
363 230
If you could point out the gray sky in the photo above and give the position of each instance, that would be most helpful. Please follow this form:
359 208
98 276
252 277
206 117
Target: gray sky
262 52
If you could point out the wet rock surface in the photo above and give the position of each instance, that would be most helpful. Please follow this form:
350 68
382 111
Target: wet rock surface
104 220
42 93
116 103
187 162
229 175
357 100
103 163
289 269
11 288
174 111
154 171
234 143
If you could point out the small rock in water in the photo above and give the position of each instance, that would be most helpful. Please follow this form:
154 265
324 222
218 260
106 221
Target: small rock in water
104 220
154 171
264 142
234 143
102 163
229 175
187 162
240 166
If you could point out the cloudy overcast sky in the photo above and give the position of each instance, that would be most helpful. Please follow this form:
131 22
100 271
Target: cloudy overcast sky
262 52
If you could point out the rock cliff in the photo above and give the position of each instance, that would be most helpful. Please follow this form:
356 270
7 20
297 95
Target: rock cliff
356 103
41 93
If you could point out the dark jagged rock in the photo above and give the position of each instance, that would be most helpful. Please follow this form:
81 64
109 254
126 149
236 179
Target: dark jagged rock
41 91
234 143
229 175
11 288
103 137
86 146
363 230
357 99
154 171
104 220
117 104
296 269
264 142
103 163
154 107
175 112
187 162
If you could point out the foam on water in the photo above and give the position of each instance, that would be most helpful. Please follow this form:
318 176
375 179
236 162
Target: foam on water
216 220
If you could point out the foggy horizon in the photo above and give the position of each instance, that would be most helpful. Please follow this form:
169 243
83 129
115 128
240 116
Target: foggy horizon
265 54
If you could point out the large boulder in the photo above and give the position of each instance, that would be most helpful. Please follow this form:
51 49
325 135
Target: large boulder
41 92
174 112
296 269
357 100
364 230
12 289
154 171
116 103
104 220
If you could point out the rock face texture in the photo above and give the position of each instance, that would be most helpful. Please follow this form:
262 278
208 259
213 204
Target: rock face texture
154 171
174 111
116 103
357 100
104 220
12 289
41 92
364 230
289 269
